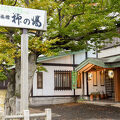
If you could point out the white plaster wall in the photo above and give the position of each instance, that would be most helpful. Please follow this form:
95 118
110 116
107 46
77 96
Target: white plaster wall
109 52
79 57
48 83
92 53
48 77
97 88
78 91
62 60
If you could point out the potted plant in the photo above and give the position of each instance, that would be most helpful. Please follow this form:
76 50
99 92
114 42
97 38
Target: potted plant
91 96
97 95
102 95
106 96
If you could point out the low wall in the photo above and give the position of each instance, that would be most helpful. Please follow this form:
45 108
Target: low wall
39 101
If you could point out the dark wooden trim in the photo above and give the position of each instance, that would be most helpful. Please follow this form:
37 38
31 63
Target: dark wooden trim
58 96
102 78
74 67
86 55
79 80
73 62
59 64
96 79
87 82
59 80
31 92
96 53
40 74
62 89
83 81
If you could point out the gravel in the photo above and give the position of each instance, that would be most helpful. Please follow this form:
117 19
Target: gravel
81 111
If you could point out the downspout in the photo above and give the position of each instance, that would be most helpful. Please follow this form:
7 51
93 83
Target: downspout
74 68
83 83
86 57
96 53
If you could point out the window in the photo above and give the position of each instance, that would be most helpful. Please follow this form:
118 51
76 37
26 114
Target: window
39 80
95 78
102 78
62 80
79 80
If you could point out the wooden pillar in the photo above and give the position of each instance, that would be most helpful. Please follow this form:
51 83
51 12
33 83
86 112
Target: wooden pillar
117 84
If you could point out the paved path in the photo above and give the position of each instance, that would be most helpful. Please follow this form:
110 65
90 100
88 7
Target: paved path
82 111
102 103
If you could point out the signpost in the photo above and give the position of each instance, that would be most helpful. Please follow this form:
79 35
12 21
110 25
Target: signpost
17 17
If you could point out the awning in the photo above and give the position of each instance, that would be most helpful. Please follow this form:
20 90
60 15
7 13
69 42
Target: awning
108 62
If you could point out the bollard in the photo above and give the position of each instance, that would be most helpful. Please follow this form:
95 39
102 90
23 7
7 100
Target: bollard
26 115
48 114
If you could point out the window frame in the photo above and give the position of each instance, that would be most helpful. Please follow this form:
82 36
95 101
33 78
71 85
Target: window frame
102 83
59 80
40 87
95 76
79 79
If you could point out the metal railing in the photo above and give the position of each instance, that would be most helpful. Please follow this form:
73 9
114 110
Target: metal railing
47 115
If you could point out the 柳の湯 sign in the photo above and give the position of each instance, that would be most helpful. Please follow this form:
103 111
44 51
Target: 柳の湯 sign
18 17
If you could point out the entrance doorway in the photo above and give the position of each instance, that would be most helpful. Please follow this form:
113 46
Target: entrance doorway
109 86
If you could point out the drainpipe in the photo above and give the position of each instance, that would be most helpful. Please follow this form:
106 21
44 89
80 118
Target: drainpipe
83 83
86 56
74 68
96 53
87 82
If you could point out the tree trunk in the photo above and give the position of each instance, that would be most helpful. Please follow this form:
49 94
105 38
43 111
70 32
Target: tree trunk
12 102
9 100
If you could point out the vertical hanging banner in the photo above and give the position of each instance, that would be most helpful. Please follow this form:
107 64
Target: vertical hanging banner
74 79
11 16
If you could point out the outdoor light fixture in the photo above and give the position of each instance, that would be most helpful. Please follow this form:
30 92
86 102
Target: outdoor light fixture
90 75
110 73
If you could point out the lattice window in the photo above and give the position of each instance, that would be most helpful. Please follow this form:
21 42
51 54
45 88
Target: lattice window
62 80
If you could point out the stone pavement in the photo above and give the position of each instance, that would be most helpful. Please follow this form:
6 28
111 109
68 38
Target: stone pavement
102 103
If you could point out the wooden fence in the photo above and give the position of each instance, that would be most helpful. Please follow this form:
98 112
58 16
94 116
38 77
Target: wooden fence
47 115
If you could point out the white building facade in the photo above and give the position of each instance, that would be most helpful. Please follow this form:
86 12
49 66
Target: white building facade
55 85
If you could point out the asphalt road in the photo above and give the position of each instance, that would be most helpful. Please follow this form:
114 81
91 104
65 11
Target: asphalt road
81 111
